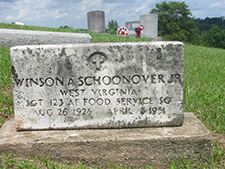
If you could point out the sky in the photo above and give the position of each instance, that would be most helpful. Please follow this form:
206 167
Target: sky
73 13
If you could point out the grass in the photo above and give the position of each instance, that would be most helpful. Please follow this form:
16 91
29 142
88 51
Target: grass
204 94
6 99
39 28
9 161
113 38
204 91
97 37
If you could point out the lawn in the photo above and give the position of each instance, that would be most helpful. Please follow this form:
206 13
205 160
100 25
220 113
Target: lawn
204 94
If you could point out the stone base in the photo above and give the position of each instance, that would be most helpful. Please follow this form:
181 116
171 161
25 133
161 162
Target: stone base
147 146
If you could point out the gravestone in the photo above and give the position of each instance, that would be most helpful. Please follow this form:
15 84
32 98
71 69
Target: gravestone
14 37
99 86
131 25
150 21
110 85
96 21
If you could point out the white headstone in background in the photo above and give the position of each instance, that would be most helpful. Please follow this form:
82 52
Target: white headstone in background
150 21
105 85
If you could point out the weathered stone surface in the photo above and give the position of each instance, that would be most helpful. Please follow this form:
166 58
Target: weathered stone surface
147 146
96 21
150 21
110 85
14 37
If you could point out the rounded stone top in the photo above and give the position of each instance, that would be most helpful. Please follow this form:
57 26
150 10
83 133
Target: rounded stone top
95 11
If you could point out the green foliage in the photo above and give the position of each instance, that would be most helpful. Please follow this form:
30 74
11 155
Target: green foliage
112 27
175 21
66 27
215 37
98 37
9 161
206 24
5 69
216 160
39 28
6 100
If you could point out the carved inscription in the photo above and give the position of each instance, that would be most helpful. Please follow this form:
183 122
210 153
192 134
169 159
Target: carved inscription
74 101
99 80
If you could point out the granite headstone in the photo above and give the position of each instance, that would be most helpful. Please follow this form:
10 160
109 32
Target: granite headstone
102 85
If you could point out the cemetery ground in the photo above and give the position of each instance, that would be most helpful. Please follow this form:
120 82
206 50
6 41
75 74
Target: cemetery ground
204 94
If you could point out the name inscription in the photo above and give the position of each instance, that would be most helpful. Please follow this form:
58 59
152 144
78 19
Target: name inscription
93 80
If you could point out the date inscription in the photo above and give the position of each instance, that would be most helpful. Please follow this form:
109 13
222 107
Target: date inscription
64 112
86 106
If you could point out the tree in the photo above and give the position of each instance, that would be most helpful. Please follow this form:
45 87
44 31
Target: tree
206 24
215 37
65 27
175 21
112 27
